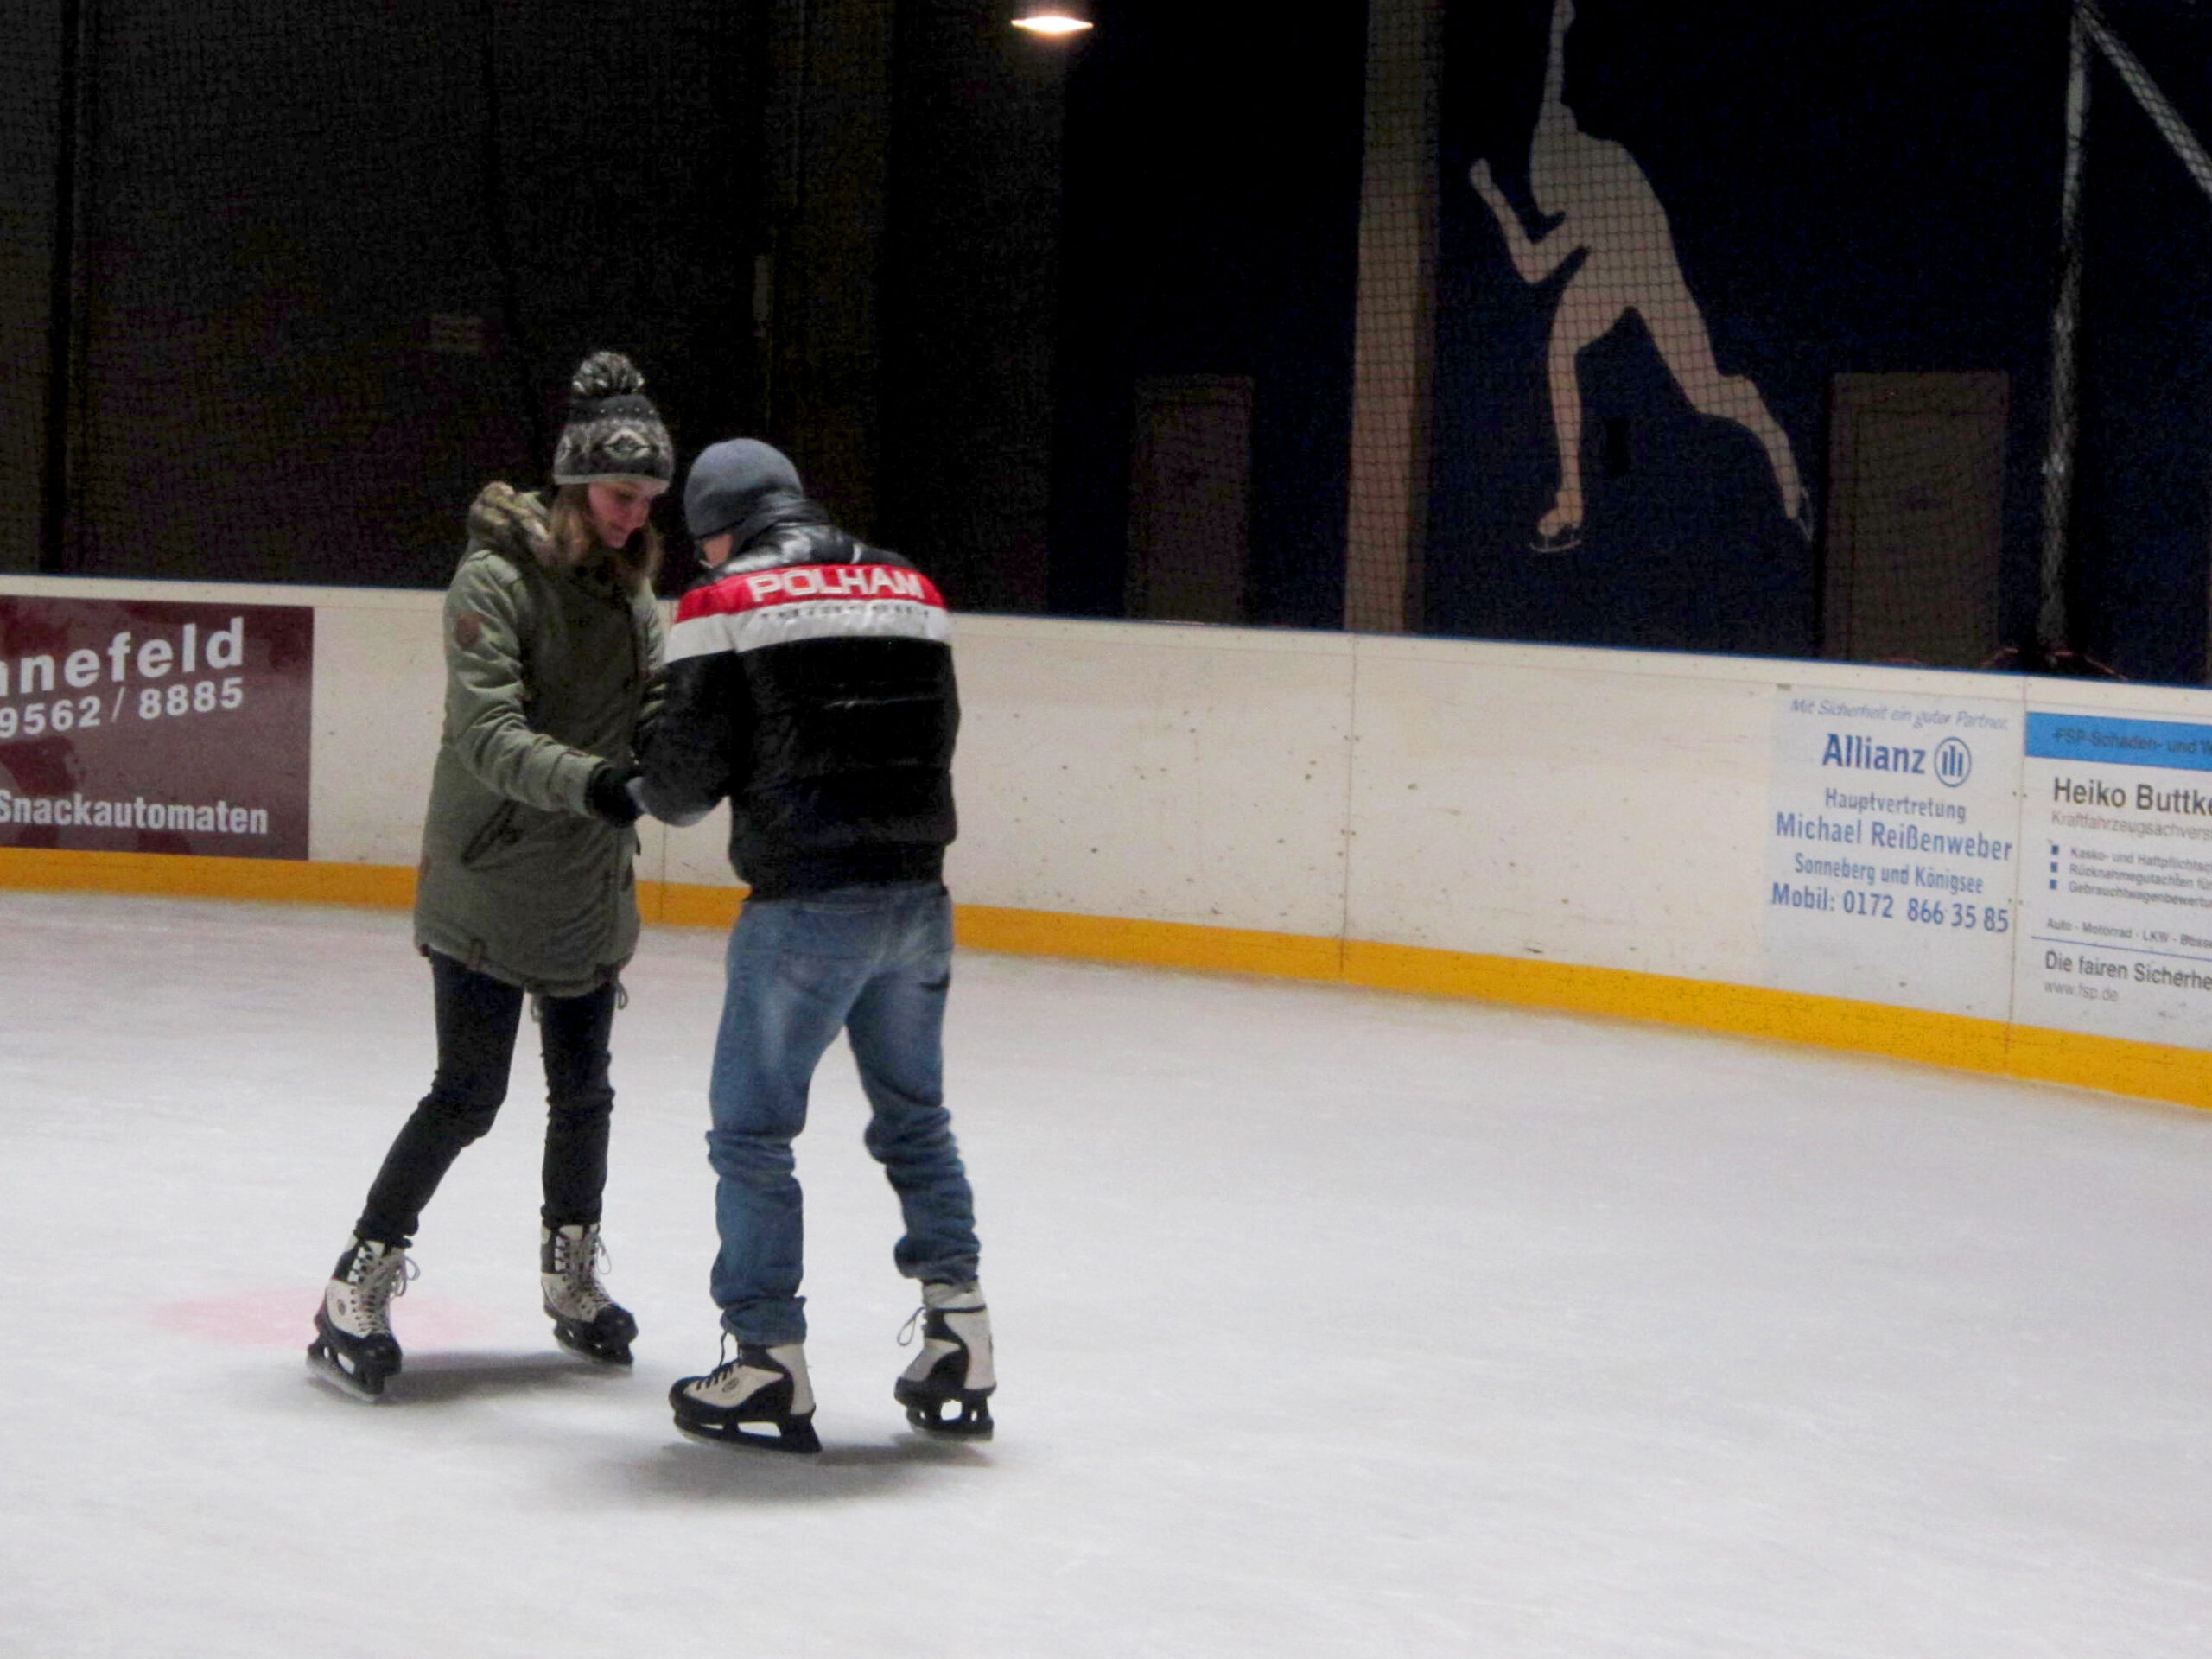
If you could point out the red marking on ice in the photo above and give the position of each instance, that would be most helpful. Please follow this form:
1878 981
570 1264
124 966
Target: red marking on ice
285 1319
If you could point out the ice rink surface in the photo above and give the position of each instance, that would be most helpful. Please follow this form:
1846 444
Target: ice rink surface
1328 1323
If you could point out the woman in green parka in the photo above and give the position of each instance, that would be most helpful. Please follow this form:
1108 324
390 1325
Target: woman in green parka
553 648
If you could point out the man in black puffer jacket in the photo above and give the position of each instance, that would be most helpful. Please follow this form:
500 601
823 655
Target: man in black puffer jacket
809 684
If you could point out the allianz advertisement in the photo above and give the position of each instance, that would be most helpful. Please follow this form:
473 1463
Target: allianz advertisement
1892 849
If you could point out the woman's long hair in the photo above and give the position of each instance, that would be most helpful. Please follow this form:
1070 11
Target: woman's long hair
574 537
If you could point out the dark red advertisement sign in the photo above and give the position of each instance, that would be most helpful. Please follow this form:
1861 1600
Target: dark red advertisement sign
148 726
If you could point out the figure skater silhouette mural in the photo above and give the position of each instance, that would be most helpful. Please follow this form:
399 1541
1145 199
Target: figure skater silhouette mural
1602 223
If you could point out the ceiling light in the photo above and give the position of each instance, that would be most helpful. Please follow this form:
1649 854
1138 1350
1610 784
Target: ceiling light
1053 17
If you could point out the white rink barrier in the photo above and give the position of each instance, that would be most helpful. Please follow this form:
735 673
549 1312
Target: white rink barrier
1632 833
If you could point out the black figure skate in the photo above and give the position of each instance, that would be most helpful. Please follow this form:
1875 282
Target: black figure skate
353 1349
947 1390
760 1398
586 1319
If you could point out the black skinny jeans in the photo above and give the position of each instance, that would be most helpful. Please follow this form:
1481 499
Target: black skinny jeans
477 1019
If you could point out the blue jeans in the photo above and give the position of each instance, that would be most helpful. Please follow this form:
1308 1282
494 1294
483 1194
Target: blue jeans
876 962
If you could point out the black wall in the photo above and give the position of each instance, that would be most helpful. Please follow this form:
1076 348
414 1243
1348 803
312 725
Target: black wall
30 119
990 242
1210 226
2143 526
970 301
282 196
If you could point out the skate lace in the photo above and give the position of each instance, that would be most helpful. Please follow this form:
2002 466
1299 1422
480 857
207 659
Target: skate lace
907 1330
582 1275
730 1362
387 1278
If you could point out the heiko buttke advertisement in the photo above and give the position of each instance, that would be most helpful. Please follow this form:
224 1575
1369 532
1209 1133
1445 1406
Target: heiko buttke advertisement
130 726
2116 908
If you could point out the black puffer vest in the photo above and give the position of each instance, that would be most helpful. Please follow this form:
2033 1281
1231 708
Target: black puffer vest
810 683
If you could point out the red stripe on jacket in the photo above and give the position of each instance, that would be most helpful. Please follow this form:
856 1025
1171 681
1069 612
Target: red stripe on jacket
754 590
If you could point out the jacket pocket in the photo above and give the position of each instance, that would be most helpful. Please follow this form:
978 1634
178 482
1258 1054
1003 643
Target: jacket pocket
493 832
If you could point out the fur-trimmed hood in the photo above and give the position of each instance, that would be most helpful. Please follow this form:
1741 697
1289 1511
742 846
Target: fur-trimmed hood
504 518
520 526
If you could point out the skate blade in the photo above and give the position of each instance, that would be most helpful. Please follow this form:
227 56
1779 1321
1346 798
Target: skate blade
979 1427
598 1356
331 1374
792 1437
925 1412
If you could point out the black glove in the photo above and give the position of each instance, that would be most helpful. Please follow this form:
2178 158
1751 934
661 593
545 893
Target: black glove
607 794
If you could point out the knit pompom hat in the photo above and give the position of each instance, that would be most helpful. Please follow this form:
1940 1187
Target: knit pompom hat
614 434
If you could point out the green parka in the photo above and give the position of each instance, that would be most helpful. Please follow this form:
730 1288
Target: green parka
550 669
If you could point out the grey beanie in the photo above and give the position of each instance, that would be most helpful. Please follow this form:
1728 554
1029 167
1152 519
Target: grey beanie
614 434
731 479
